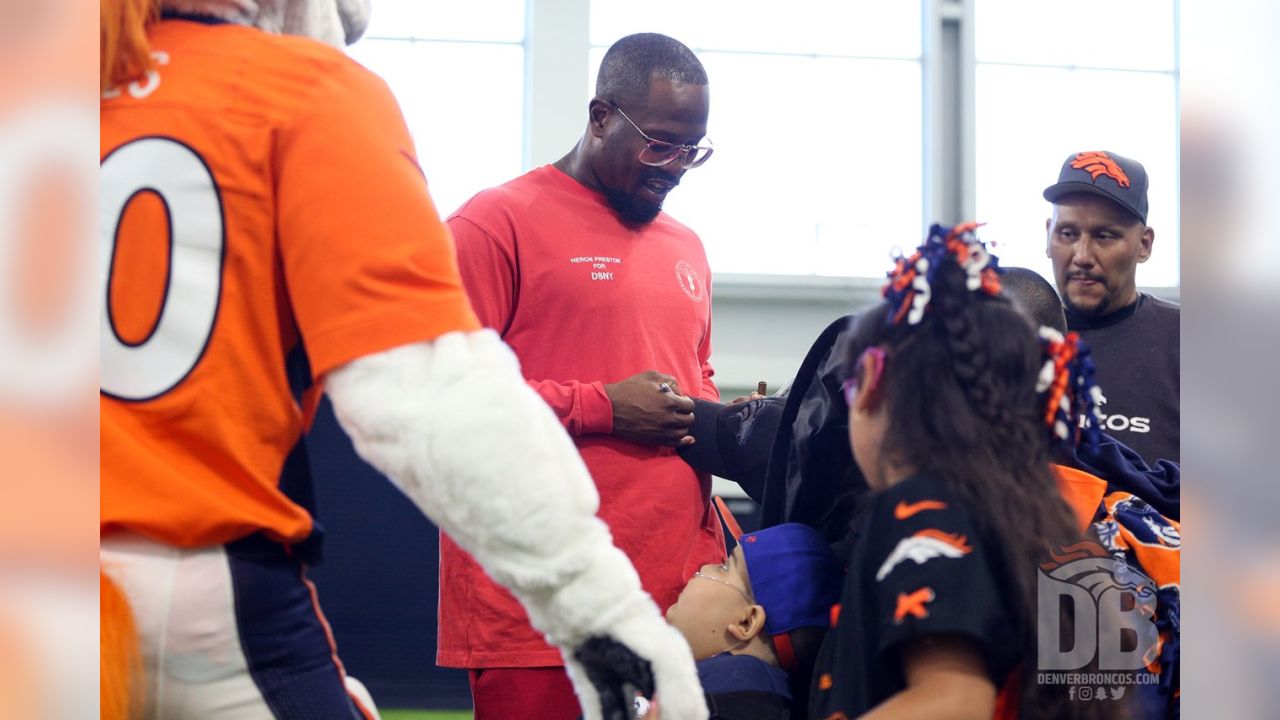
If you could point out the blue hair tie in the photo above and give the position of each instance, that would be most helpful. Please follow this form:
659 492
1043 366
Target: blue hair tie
1068 390
910 287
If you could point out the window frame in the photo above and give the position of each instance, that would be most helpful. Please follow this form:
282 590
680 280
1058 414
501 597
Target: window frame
557 47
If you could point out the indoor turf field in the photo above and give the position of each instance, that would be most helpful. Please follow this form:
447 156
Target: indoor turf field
425 714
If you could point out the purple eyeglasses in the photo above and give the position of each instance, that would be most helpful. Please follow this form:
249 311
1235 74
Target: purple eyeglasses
850 385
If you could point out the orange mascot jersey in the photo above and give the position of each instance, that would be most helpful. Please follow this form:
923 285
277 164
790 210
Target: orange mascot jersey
258 192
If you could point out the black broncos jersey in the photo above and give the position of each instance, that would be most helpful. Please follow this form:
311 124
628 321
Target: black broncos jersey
916 567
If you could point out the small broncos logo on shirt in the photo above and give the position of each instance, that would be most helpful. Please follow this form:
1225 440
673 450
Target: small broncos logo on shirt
923 547
689 281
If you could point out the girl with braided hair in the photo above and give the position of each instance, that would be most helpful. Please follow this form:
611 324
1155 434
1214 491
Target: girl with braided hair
939 614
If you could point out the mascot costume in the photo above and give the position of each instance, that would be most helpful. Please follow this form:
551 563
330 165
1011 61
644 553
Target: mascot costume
261 202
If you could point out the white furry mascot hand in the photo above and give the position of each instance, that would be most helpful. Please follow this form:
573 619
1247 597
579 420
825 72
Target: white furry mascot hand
455 426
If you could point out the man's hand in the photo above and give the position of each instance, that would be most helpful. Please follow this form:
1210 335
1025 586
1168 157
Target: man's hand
649 408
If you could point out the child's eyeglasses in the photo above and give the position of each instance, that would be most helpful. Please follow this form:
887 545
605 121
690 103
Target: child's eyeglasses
850 385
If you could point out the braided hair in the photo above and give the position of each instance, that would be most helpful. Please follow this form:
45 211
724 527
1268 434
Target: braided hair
963 406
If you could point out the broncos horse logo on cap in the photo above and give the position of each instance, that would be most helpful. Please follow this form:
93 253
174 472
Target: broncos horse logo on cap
1099 163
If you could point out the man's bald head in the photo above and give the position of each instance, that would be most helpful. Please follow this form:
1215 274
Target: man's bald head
1034 297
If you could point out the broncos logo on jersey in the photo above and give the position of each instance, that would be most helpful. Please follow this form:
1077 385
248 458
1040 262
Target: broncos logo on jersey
747 420
923 547
1147 526
1133 530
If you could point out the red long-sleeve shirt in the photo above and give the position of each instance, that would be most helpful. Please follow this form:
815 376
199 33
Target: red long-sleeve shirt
585 301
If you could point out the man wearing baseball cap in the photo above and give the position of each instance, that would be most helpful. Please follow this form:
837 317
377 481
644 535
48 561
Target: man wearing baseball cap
1097 235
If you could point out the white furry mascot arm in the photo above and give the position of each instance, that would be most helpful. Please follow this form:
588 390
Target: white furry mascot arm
454 425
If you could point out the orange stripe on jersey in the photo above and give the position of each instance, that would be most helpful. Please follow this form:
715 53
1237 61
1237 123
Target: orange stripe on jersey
260 194
324 623
365 712
333 644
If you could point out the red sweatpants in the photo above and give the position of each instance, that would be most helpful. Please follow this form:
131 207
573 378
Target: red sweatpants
543 693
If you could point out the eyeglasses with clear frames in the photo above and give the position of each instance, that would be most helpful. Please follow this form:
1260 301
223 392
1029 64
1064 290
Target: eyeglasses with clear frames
657 153
726 583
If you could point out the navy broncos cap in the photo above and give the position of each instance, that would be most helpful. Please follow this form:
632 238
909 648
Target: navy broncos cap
1097 172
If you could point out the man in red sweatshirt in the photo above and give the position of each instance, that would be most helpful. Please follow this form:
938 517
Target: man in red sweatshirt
606 301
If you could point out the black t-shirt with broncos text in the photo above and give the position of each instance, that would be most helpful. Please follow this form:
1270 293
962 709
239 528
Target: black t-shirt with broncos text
916 567
1136 352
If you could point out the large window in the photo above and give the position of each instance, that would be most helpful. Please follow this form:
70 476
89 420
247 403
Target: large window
1057 78
816 114
457 70
816 120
